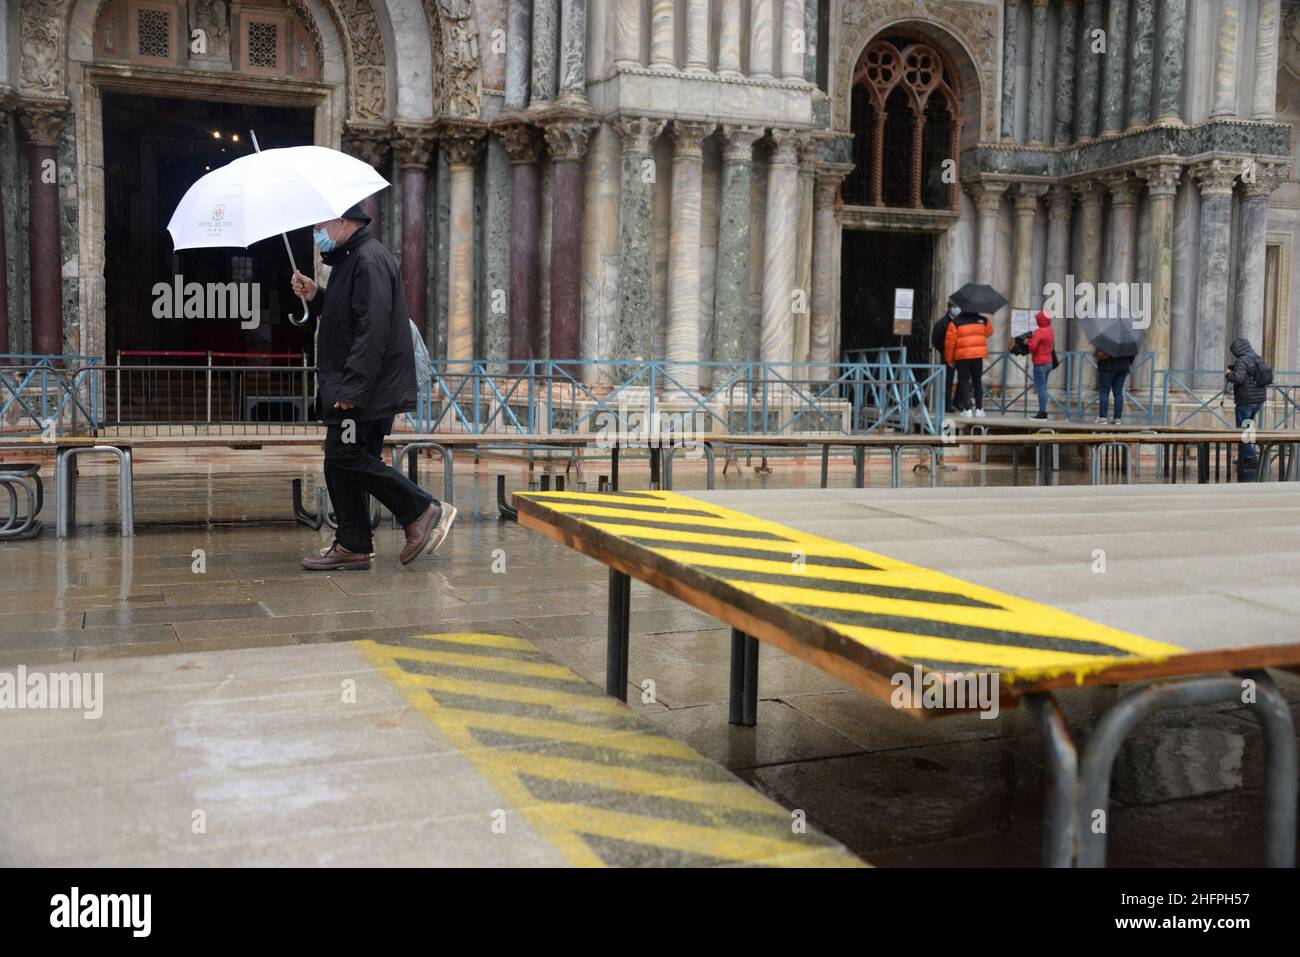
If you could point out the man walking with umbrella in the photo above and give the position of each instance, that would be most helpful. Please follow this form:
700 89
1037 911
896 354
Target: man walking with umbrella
366 375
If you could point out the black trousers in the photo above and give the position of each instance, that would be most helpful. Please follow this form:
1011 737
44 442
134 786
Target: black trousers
355 470
970 374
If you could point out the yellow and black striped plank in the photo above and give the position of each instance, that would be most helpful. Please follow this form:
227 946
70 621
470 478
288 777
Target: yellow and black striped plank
599 782
872 610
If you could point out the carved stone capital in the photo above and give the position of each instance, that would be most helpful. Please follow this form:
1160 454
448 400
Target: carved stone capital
368 143
42 123
1091 193
688 138
638 134
1215 177
1263 178
521 140
1028 195
462 141
1162 179
740 142
1060 202
413 144
1123 189
567 137
809 148
986 194
826 187
785 147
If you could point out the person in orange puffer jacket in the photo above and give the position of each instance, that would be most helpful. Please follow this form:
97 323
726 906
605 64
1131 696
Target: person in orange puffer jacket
1042 350
966 347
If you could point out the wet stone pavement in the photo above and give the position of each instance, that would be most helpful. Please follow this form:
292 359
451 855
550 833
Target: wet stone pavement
214 566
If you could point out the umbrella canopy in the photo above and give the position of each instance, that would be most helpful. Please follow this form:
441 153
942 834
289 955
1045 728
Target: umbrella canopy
979 299
1113 332
271 192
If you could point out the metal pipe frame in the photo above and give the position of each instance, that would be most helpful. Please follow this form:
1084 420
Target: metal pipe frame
666 459
618 635
29 527
65 487
742 705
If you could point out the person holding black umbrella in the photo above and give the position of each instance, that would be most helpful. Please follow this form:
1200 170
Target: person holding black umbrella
966 341
1112 373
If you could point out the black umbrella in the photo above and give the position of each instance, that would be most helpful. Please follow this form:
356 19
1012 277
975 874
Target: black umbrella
979 299
1116 335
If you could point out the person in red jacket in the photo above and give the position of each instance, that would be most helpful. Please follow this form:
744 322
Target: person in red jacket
1042 345
967 346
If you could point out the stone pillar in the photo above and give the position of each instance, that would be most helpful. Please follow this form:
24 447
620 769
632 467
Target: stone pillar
573 53
370 144
413 145
523 144
809 152
1037 71
4 261
632 338
464 146
1251 254
1112 85
627 43
729 39
1068 30
825 266
1225 66
1060 209
1215 179
1162 187
546 17
663 52
1123 222
1010 25
761 27
44 128
1144 30
1264 100
697 36
1173 40
987 196
731 306
566 137
1092 196
683 342
779 249
1026 203
519 27
1088 72
792 54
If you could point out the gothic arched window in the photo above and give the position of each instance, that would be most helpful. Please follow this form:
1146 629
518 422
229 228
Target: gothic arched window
906 120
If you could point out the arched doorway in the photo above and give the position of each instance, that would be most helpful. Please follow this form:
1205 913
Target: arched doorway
903 195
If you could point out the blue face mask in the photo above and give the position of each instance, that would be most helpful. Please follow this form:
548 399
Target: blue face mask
321 238
955 311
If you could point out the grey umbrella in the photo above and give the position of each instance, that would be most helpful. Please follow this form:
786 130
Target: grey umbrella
1113 332
979 299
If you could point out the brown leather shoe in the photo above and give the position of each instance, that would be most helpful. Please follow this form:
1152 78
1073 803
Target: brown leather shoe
337 558
418 533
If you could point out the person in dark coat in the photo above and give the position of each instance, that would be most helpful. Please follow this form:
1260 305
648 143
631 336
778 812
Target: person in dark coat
1248 395
938 342
365 378
1112 373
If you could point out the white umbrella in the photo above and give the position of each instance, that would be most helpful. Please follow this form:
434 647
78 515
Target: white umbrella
271 192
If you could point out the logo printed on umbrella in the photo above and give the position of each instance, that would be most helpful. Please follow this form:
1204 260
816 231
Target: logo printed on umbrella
219 211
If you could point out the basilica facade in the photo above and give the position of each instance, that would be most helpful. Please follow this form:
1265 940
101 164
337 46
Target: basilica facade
688 180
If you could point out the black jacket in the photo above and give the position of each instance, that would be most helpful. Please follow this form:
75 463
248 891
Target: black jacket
939 335
364 355
1115 363
1246 390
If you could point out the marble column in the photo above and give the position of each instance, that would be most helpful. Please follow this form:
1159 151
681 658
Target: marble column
464 146
44 128
1162 188
697 36
1068 29
1264 98
1251 254
546 19
573 53
731 305
1173 41
1144 31
761 26
632 338
1037 71
1026 204
1123 227
1088 72
519 31
413 146
371 145
1010 27
729 38
627 42
1060 209
566 138
1092 197
4 261
1112 80
663 52
792 53
1215 179
987 196
683 341
1225 65
523 144
809 152
780 249
825 267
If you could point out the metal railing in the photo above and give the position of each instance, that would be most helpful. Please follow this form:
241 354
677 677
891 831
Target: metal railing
43 392
1185 405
